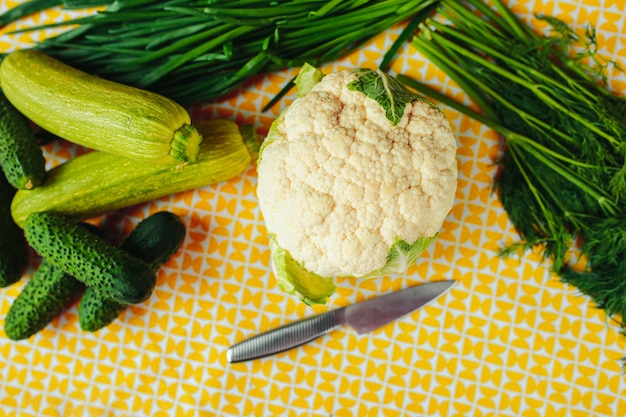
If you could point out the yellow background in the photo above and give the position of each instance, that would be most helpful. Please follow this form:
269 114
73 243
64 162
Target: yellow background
509 340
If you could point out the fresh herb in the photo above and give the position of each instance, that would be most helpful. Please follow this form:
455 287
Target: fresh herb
562 176
30 7
200 50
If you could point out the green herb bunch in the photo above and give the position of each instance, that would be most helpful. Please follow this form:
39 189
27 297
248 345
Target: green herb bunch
562 176
193 51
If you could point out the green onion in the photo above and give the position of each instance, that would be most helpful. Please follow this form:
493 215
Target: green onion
200 50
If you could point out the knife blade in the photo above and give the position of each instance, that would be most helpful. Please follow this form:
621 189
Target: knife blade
363 317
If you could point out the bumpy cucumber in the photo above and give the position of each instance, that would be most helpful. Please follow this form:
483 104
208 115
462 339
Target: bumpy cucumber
43 297
97 182
89 258
154 241
21 158
95 112
13 254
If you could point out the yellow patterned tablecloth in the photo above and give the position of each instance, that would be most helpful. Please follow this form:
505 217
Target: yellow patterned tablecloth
509 340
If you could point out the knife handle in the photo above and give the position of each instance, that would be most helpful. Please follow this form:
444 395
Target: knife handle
283 338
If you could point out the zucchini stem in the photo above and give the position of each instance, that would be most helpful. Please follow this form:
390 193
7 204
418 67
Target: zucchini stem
185 144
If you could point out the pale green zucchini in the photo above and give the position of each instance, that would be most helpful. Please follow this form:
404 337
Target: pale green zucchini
97 182
95 112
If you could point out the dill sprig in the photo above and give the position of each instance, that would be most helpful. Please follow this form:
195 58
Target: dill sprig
562 175
193 51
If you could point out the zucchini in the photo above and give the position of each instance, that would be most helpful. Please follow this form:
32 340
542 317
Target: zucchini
21 158
97 113
97 182
13 253
43 298
154 241
89 258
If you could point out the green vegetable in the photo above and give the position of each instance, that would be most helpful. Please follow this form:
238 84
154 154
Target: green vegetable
13 254
21 158
26 9
307 78
97 182
30 7
195 51
562 177
392 95
44 296
294 278
89 258
95 112
154 241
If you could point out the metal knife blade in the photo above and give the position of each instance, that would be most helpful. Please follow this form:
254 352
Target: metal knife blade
362 317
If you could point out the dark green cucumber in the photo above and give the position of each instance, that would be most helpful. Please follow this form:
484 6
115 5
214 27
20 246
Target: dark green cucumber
155 240
89 258
96 310
44 297
21 158
49 290
13 254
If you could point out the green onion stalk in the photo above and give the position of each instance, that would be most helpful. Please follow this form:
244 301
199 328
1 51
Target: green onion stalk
201 50
562 174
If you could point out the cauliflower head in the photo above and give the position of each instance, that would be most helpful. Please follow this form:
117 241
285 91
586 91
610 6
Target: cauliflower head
355 178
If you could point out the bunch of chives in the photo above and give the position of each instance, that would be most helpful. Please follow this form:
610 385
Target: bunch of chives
200 50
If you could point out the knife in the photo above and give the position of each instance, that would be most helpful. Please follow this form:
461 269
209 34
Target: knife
362 317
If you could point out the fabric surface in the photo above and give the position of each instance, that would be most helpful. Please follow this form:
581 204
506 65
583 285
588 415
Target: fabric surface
509 340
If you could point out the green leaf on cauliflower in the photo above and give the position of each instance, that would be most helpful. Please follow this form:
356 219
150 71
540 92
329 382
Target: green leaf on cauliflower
295 279
306 79
401 256
390 93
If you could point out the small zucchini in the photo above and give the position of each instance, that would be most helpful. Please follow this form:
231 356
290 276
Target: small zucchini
95 112
89 258
13 254
154 241
97 182
21 158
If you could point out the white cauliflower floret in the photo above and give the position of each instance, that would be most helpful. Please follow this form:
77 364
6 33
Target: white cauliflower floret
340 185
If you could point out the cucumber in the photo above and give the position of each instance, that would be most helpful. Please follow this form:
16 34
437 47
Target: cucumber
89 258
44 296
21 158
97 182
95 112
156 238
154 241
13 253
